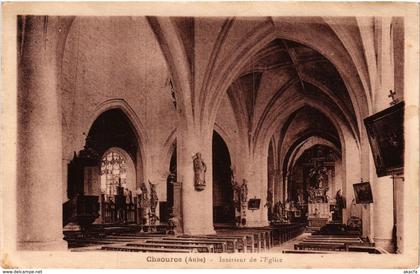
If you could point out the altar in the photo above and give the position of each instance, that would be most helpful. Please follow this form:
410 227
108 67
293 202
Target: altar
318 214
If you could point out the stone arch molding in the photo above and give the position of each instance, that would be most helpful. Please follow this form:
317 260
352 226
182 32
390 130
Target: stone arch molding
118 103
138 128
307 144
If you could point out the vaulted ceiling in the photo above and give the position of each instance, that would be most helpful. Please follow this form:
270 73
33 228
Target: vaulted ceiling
287 61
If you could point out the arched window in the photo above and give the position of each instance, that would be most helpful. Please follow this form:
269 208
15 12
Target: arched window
113 172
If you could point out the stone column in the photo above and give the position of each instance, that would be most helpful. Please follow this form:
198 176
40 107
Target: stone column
399 212
383 187
257 188
177 203
197 206
39 182
383 212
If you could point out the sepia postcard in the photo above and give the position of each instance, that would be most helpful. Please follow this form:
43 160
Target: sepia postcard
210 135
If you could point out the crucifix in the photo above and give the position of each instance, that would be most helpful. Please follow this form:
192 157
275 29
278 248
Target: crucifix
392 96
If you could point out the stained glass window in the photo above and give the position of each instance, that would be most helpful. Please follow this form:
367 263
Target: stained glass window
113 172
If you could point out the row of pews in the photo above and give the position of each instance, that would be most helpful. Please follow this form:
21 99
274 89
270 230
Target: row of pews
226 240
334 243
285 232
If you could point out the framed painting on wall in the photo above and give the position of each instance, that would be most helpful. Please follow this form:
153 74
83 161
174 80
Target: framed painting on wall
385 130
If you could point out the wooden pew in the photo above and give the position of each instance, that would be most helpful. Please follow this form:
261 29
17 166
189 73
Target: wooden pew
134 237
335 236
264 236
232 243
241 240
298 251
193 248
321 246
218 246
284 232
249 243
356 241
256 239
143 249
368 249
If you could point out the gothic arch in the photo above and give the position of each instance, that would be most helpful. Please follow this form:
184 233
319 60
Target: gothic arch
306 144
136 125
229 141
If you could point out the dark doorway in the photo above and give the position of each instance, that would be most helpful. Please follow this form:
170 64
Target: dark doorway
223 210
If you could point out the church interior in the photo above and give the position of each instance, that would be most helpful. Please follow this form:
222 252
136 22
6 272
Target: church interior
211 134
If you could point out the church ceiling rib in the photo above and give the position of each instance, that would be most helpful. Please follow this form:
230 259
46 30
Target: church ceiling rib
347 31
233 64
311 68
250 84
212 62
176 58
271 104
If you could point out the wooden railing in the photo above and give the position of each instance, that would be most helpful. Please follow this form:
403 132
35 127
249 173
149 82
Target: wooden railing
120 211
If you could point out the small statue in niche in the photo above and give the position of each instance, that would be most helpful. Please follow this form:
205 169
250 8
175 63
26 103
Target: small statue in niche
153 197
199 172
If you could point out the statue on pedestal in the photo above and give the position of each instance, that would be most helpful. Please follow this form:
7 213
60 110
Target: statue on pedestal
144 196
153 197
279 213
236 189
199 172
243 198
244 192
174 224
340 203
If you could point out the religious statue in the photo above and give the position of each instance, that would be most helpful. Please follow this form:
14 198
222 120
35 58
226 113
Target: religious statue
199 172
144 196
340 204
244 192
236 189
300 199
152 220
269 202
153 197
174 224
241 193
318 175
